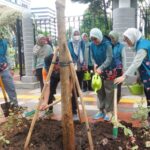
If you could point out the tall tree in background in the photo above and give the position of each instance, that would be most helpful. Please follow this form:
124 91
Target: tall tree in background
91 20
98 7
144 6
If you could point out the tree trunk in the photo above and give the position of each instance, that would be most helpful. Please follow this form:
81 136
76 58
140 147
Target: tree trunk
67 122
105 16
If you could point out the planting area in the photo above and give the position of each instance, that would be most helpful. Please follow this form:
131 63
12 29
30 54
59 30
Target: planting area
47 135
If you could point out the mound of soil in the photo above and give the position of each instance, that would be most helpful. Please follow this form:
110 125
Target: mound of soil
47 135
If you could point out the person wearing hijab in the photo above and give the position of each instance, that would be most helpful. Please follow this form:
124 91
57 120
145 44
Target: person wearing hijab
77 48
141 61
118 64
87 61
40 51
101 50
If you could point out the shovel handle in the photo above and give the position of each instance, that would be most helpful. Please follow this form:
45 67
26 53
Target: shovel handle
115 103
3 89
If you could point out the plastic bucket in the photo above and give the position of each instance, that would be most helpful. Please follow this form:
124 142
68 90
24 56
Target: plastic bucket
136 89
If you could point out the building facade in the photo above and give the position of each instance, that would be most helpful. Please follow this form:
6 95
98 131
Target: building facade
125 16
16 4
45 20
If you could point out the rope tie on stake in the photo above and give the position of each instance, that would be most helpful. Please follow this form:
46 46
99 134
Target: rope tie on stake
65 64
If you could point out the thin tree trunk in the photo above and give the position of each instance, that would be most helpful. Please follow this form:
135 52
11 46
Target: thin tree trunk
105 16
67 121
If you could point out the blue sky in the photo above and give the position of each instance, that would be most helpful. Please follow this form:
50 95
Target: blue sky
72 9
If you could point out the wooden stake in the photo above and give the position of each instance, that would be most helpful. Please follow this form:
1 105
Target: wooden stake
52 104
40 100
74 76
67 122
115 126
115 104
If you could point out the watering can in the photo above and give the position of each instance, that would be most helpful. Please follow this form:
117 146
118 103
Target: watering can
136 89
96 82
87 76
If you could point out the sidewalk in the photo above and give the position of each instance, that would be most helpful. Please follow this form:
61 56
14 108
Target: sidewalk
126 106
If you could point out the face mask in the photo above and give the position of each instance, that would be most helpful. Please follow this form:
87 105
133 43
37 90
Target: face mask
76 38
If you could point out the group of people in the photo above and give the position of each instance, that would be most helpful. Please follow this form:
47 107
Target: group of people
100 54
104 55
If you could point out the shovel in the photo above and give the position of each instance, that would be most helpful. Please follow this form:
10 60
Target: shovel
5 106
115 127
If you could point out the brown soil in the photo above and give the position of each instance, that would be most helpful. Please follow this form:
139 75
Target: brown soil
47 135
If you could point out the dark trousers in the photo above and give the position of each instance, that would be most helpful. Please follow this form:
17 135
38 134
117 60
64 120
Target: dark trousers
53 86
87 84
105 96
147 94
40 77
119 73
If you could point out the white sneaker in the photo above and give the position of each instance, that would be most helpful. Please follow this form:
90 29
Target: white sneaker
75 117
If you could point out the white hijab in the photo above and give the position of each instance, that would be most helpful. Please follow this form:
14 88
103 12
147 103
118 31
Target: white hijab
76 46
133 35
38 47
97 33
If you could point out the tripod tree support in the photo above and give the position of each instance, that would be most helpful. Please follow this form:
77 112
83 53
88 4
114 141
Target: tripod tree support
74 77
67 121
40 100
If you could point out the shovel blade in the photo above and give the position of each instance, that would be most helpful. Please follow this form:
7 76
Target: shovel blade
5 107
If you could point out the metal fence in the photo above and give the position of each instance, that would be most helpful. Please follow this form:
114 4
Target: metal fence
20 47
45 26
84 23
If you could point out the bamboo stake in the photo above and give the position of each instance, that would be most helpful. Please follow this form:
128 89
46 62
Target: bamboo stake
74 76
52 104
40 100
115 127
115 104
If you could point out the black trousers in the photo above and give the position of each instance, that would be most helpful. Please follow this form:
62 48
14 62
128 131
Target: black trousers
87 84
147 94
119 73
53 86
40 77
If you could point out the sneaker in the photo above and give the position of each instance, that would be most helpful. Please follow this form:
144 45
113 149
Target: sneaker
75 117
98 115
108 116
